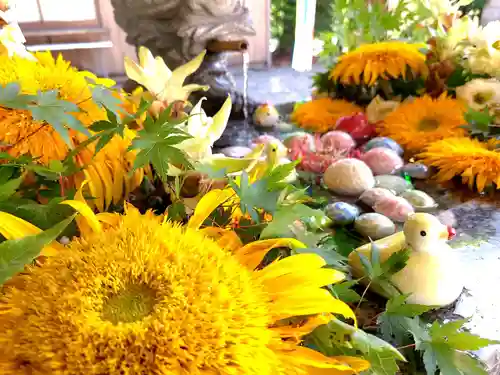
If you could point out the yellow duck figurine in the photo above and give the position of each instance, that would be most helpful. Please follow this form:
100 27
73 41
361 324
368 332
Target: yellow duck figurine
432 274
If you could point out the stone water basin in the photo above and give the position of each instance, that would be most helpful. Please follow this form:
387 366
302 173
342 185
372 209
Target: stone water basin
477 223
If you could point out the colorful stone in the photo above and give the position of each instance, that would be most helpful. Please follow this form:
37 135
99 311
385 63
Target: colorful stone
384 142
375 226
342 213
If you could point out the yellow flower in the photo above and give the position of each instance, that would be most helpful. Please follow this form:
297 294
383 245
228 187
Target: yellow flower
141 294
424 120
379 108
385 60
166 85
478 163
321 115
108 171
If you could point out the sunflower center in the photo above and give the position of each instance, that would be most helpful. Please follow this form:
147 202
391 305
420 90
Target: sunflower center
428 124
482 97
131 304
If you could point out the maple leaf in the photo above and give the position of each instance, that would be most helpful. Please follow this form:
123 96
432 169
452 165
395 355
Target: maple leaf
285 217
10 96
380 272
396 321
106 98
156 143
56 112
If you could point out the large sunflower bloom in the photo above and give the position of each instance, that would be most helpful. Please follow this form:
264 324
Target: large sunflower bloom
386 60
108 171
321 115
143 295
416 124
478 163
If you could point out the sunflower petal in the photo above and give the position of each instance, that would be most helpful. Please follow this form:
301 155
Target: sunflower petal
316 301
293 265
302 356
207 205
95 186
86 212
252 254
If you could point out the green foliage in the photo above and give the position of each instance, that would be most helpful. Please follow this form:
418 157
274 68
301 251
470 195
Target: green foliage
338 338
481 124
379 272
106 98
343 291
356 22
16 254
442 346
45 107
157 144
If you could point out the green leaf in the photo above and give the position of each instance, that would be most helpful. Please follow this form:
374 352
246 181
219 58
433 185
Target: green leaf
10 96
16 254
105 98
56 112
278 173
6 173
450 334
397 306
104 139
176 211
99 126
430 362
43 216
284 217
9 188
396 262
344 292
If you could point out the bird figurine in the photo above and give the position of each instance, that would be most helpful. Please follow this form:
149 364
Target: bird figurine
266 115
432 274
270 161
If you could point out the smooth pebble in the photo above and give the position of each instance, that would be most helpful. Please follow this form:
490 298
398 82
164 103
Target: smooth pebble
384 142
374 226
395 183
349 177
342 213
370 196
417 170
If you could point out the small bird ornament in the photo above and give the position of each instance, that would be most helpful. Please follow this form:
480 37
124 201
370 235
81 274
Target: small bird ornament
432 276
266 115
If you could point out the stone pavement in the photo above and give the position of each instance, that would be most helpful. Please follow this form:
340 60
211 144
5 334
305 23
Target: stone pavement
277 85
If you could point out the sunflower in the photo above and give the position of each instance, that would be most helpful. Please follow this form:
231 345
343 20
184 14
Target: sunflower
108 171
417 123
321 115
478 163
386 60
143 295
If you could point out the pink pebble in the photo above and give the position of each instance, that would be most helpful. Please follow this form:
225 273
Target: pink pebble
395 208
382 160
337 141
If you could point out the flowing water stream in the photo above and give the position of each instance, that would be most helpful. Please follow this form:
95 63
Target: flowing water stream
246 62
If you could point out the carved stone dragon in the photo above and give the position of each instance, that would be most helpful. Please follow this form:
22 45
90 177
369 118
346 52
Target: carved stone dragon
178 30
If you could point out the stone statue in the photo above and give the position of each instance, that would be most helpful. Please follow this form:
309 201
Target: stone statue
178 30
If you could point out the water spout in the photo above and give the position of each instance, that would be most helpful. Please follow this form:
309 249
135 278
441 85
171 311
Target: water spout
218 46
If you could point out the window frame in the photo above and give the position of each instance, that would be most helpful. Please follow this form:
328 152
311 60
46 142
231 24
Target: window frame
62 25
